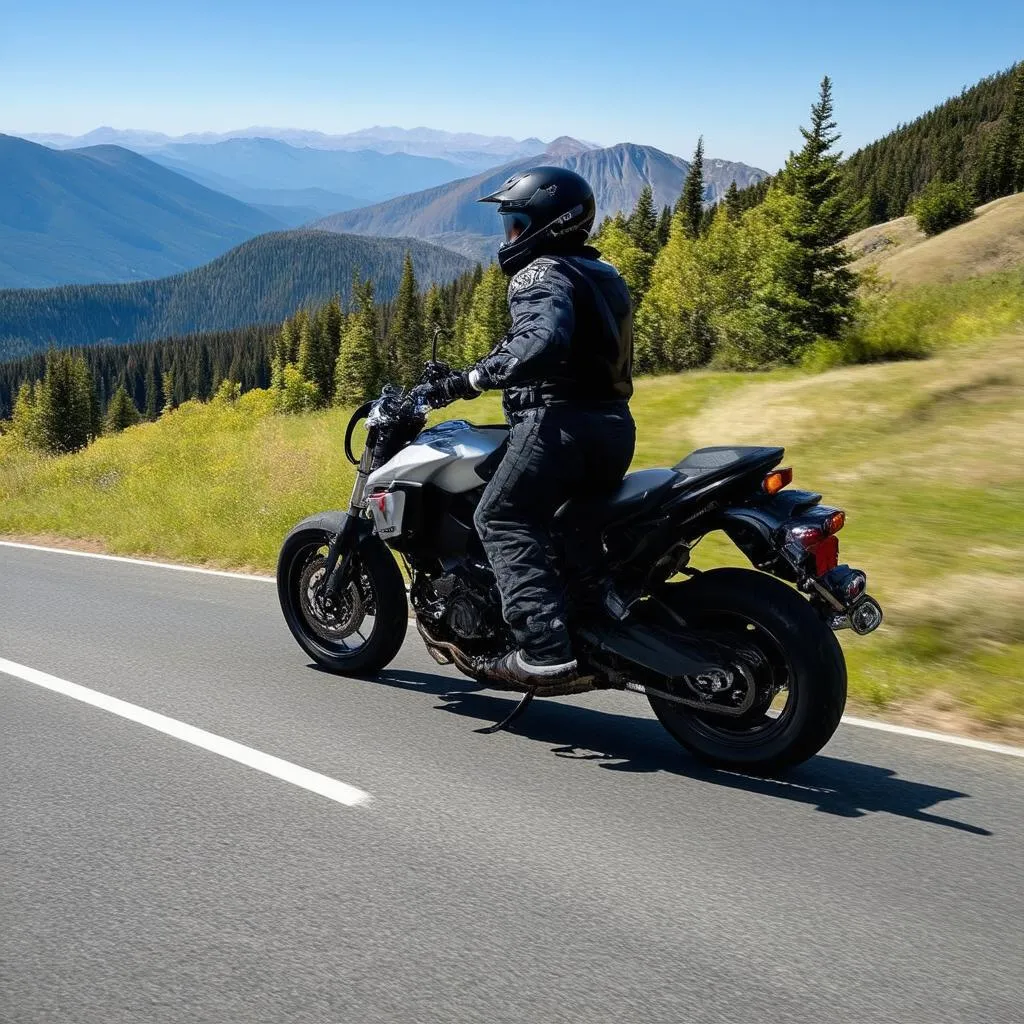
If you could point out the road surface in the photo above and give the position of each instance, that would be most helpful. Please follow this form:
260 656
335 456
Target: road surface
581 869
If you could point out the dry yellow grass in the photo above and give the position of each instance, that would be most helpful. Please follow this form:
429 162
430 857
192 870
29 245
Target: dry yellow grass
900 252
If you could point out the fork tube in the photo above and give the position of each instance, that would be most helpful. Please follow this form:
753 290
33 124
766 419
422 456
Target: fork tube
356 509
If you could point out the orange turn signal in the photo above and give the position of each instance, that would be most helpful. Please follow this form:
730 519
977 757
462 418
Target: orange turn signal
777 479
834 523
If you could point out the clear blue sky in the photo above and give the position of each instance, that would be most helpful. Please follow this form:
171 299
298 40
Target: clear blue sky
658 72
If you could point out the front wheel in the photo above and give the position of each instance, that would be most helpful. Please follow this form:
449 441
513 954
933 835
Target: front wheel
357 631
794 663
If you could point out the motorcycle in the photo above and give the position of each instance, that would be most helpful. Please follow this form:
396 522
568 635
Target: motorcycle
741 666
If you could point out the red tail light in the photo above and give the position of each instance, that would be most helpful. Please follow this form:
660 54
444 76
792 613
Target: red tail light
826 555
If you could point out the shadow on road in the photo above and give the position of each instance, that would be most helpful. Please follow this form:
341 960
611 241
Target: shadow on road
623 743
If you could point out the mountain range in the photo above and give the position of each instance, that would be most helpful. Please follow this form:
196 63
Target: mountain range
449 214
261 281
106 214
473 152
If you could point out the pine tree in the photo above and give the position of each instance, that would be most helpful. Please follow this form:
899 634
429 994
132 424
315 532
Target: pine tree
317 356
823 285
487 318
405 332
167 386
621 251
435 321
732 201
664 226
691 202
358 370
153 396
643 222
26 414
65 409
121 412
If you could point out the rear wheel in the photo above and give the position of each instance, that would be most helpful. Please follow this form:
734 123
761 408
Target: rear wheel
793 673
357 631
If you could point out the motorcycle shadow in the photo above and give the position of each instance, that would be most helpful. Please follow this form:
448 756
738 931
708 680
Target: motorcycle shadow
625 743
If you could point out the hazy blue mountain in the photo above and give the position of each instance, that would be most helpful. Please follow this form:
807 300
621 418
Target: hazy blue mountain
107 214
267 163
450 215
472 151
262 281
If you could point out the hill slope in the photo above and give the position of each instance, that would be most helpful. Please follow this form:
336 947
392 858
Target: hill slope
106 214
261 281
947 141
900 252
450 215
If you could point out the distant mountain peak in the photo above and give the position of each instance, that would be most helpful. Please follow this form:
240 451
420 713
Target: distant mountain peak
566 145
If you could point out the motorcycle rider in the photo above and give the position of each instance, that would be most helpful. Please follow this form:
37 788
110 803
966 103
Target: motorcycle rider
565 372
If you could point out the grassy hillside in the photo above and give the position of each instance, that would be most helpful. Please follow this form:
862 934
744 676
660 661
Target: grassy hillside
901 253
926 456
105 214
262 281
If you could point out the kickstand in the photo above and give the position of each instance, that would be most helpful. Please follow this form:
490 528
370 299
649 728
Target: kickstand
507 721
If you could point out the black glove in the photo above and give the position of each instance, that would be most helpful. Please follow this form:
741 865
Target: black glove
450 389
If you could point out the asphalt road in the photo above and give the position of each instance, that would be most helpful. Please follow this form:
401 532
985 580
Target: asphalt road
581 869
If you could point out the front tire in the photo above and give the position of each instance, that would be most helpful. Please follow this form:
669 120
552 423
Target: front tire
799 651
361 630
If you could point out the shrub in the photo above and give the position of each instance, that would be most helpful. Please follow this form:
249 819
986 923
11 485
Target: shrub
942 205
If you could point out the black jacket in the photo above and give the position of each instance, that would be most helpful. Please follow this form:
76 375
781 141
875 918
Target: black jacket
571 338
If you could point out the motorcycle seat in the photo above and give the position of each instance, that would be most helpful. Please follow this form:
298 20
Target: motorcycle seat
646 488
637 491
706 465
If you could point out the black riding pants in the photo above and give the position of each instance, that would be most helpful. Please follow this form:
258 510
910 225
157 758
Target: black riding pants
554 453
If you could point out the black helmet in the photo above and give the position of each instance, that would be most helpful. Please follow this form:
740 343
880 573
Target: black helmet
543 209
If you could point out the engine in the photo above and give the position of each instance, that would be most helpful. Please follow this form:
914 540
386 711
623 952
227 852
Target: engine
463 601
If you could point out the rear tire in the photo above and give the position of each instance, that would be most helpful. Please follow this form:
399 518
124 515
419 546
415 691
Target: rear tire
377 593
798 643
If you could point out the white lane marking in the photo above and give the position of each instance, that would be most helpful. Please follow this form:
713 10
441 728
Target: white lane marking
323 785
862 723
939 737
138 561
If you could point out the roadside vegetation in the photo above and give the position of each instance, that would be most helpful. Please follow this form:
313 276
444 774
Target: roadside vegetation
900 401
927 457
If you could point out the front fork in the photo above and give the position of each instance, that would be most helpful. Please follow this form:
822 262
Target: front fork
338 569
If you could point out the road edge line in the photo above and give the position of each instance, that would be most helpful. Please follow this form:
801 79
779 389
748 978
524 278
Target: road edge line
938 737
232 750
139 561
861 723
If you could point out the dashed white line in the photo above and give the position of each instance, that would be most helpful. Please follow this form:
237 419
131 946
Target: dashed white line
322 785
862 723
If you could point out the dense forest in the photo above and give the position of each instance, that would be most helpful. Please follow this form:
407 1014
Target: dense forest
162 374
260 281
976 138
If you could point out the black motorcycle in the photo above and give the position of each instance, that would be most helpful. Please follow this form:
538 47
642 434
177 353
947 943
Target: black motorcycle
741 666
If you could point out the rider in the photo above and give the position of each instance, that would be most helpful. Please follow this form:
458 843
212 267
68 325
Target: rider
565 370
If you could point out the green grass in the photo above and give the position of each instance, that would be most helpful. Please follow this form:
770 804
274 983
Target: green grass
927 457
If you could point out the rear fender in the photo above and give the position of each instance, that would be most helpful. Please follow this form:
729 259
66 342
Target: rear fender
755 528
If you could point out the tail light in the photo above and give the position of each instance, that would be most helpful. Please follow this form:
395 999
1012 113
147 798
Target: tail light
818 538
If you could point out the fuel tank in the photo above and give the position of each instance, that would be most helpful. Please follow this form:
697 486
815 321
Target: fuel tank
446 455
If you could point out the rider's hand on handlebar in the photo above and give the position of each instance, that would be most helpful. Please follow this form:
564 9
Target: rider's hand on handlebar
449 389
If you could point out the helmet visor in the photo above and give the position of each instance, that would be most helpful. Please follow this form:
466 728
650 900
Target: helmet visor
515 223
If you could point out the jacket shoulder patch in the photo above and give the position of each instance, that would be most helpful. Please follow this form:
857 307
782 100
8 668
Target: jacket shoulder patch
530 275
